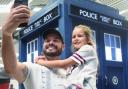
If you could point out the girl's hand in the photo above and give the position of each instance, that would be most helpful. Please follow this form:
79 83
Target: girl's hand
40 58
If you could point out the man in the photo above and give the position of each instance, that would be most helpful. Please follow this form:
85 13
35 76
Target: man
33 76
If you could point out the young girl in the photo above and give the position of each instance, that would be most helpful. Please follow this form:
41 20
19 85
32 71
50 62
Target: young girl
82 65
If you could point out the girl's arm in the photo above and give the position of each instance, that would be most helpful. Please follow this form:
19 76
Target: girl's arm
56 63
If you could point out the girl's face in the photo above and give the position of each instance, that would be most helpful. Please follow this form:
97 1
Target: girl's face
78 38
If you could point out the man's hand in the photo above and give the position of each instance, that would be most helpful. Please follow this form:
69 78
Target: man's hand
18 15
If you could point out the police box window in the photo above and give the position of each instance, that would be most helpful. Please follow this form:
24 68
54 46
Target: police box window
94 35
112 47
32 50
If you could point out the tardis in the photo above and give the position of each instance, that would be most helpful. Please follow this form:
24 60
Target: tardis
109 30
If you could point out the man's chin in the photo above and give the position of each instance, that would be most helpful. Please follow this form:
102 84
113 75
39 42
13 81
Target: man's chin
51 54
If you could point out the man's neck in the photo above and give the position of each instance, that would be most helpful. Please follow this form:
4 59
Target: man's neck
53 58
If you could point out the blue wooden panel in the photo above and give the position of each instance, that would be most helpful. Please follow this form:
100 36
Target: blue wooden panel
115 78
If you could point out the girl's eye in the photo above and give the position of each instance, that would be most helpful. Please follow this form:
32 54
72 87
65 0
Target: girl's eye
79 35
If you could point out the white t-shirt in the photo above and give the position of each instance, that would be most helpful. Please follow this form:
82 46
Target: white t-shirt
40 77
84 74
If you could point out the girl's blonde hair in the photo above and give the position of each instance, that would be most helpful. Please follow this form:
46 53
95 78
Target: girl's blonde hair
87 32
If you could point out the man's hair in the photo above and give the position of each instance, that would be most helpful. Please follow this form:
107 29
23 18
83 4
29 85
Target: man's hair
52 31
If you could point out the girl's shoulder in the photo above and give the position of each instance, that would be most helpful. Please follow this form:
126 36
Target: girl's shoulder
87 47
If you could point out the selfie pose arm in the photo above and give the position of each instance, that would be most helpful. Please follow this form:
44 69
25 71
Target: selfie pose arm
17 15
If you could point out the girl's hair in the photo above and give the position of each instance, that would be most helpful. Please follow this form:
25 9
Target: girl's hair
88 33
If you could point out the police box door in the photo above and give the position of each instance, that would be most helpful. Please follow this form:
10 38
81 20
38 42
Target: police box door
113 57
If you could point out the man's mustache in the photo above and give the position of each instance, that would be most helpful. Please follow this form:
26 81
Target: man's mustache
52 45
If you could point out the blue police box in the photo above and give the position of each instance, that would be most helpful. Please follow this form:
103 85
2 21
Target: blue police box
110 32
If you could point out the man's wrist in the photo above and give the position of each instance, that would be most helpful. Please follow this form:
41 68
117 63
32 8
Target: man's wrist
5 33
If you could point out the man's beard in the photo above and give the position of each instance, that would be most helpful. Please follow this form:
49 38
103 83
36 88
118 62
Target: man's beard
53 54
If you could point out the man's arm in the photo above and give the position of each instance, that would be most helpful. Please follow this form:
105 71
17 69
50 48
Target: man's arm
17 16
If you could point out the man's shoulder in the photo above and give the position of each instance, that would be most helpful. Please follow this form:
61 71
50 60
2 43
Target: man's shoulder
33 65
30 64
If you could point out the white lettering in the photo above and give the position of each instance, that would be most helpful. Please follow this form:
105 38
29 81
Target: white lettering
105 19
90 15
38 23
48 17
117 22
28 29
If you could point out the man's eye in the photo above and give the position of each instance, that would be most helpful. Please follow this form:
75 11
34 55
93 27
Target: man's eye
73 36
46 40
56 40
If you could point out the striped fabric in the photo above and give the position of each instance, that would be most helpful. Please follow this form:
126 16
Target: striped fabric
78 58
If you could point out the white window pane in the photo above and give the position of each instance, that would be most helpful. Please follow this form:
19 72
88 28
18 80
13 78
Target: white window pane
118 54
108 53
28 57
35 55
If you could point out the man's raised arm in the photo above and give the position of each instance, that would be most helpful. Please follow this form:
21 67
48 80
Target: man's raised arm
17 15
